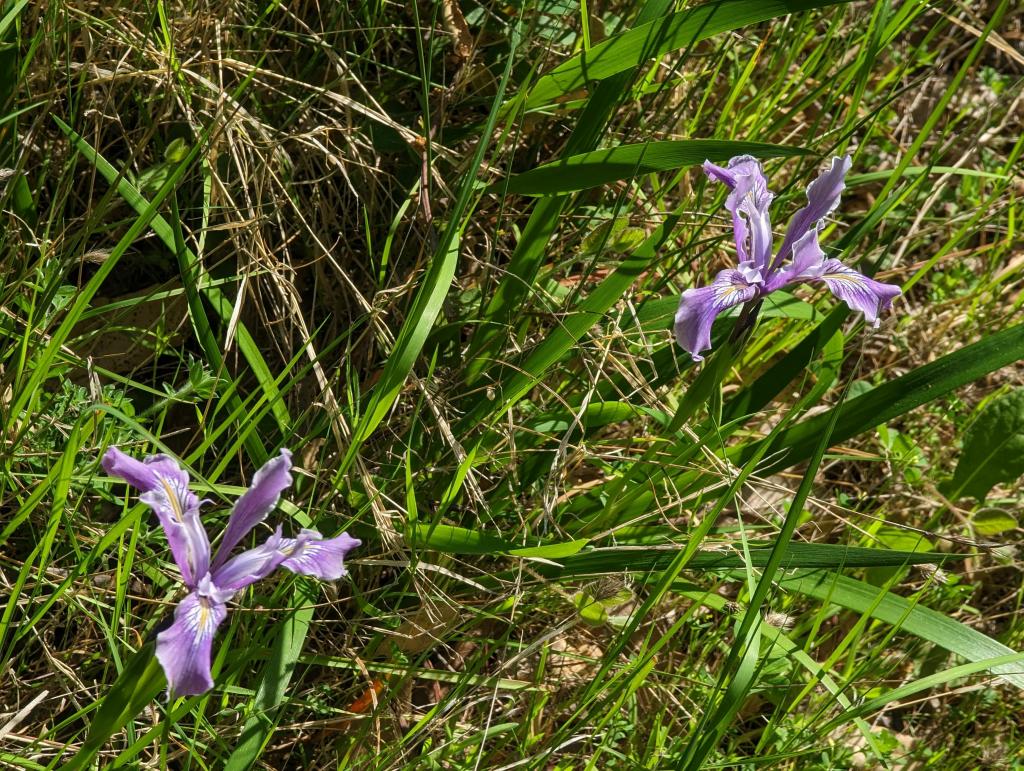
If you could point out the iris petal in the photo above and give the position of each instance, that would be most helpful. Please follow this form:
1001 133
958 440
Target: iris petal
859 292
254 505
251 565
698 308
312 555
748 202
165 490
184 648
822 198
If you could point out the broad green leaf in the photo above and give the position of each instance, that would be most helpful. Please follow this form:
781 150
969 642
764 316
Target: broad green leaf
611 164
552 551
639 45
798 555
893 537
899 538
993 451
613 235
460 540
993 522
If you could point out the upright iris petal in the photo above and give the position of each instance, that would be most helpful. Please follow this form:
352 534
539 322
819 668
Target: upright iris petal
256 503
748 202
800 259
164 486
184 649
822 199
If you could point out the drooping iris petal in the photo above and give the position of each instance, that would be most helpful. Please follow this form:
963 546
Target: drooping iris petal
183 649
165 490
698 308
861 293
822 198
254 505
748 202
313 555
251 565
806 264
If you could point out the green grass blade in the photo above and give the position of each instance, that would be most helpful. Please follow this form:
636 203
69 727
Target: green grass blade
139 683
427 304
599 167
529 252
274 684
915 619
900 396
188 264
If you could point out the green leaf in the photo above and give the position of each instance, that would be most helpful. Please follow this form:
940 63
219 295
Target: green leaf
600 167
276 675
139 683
552 551
993 450
639 45
900 538
798 555
217 298
431 294
460 540
993 522
909 616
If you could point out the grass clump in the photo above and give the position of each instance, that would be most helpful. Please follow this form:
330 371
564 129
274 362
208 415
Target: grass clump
435 250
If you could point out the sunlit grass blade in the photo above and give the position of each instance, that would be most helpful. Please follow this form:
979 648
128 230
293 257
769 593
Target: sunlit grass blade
599 167
433 289
901 395
908 615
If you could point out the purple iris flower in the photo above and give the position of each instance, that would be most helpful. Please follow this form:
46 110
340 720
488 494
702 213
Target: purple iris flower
799 259
183 649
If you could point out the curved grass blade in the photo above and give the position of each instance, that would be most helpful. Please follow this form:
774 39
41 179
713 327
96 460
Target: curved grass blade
138 684
427 304
854 712
896 397
188 263
529 252
909 616
599 167
284 652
